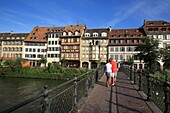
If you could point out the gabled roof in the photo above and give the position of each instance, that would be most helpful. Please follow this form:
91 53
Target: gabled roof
127 32
156 23
74 28
3 36
99 30
38 34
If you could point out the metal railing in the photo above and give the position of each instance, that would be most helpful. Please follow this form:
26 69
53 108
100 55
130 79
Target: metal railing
156 90
56 100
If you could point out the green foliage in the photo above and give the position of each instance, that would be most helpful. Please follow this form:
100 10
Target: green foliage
14 65
149 52
162 75
50 72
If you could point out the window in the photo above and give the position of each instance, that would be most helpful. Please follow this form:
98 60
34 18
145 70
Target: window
112 56
134 41
66 40
122 48
116 49
156 29
33 50
128 41
112 49
64 33
87 34
112 41
77 55
121 41
76 33
95 34
69 33
74 39
116 57
30 50
104 34
56 42
163 29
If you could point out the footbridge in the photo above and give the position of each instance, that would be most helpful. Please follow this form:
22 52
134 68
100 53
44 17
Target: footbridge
134 92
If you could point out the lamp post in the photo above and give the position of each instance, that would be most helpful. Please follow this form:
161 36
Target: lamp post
99 44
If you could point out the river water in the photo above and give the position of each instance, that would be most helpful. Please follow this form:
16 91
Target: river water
15 90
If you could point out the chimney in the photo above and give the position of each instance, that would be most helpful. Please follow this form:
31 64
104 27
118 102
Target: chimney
110 28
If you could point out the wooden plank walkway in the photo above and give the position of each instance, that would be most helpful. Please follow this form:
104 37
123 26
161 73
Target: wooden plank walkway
121 98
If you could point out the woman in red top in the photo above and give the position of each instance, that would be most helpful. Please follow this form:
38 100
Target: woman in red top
114 71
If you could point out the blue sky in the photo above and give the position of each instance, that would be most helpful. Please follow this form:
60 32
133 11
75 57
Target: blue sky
23 15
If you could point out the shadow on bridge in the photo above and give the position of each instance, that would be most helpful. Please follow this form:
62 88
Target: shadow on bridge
121 98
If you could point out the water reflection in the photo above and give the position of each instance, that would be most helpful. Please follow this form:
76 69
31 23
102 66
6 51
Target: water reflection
15 90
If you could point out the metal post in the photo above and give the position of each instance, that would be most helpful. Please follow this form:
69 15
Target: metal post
46 107
87 85
167 96
97 75
148 87
139 73
93 79
130 72
75 94
134 74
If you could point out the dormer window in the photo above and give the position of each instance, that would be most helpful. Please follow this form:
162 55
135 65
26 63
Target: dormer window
87 34
76 33
113 36
149 29
64 33
134 35
69 33
163 29
164 23
95 34
150 23
104 34
156 29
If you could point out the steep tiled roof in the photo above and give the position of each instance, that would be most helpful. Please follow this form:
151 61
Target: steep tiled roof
73 28
38 34
156 23
156 27
56 29
13 36
100 30
137 32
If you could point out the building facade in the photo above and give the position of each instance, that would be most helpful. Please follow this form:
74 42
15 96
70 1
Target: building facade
12 45
70 44
122 43
94 47
53 46
36 45
159 30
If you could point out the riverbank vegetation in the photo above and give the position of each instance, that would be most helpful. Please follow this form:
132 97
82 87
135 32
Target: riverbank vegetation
13 68
152 55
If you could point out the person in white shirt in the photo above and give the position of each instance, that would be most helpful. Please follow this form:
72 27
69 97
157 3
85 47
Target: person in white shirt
108 72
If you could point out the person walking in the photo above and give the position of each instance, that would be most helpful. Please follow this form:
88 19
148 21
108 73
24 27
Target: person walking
108 72
114 71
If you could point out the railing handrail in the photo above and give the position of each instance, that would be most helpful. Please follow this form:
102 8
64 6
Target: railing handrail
150 86
42 94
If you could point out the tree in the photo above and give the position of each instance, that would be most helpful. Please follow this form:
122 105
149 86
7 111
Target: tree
64 62
42 61
13 64
149 52
165 55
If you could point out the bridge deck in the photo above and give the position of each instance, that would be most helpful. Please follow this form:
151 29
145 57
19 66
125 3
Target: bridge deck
121 98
